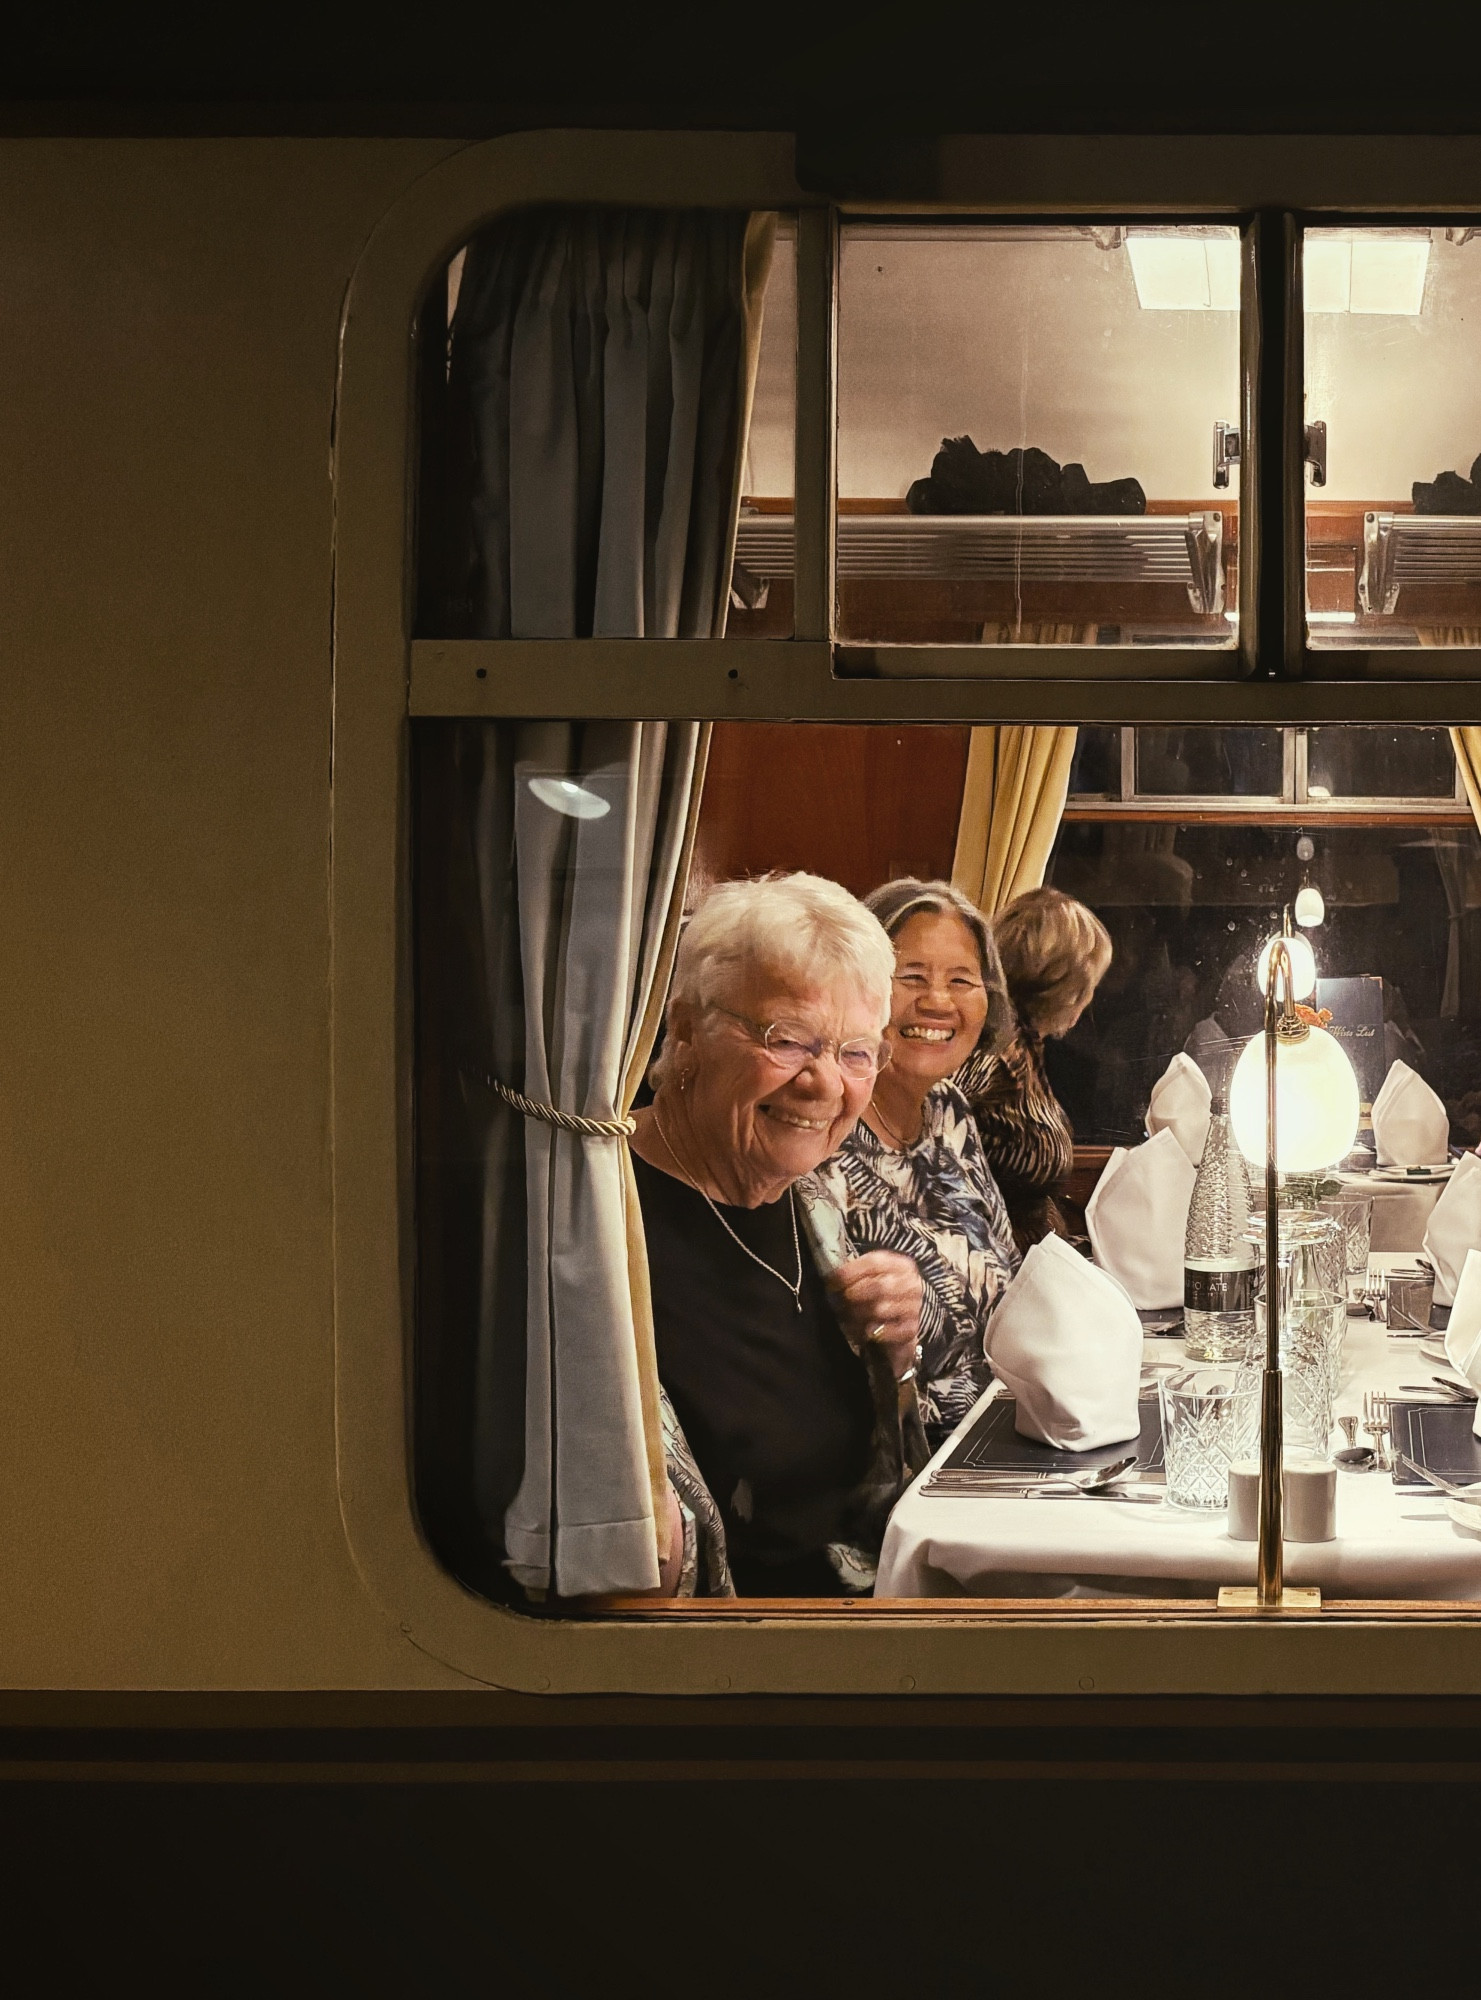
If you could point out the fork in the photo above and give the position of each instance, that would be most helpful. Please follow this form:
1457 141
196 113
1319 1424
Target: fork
1376 1424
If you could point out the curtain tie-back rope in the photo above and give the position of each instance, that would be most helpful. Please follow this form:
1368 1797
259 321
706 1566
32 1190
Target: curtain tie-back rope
567 1121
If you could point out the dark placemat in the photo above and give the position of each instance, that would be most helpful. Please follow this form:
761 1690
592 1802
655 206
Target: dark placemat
992 1445
1437 1435
1164 1324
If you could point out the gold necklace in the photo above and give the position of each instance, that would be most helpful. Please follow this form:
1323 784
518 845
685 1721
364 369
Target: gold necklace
794 1289
903 1143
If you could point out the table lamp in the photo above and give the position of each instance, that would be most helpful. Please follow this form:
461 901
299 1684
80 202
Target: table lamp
1293 1103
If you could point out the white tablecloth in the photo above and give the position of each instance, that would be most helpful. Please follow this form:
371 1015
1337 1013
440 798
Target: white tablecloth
1389 1543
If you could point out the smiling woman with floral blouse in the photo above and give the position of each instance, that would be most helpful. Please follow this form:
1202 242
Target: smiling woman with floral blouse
912 1176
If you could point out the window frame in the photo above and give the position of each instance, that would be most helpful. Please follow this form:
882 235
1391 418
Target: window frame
384 676
1294 803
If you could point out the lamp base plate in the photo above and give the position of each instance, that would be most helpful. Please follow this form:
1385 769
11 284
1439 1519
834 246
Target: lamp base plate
1244 1597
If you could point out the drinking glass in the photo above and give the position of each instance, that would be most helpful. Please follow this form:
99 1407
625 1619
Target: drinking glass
1313 1281
1353 1210
1210 1417
1309 1358
1313 1271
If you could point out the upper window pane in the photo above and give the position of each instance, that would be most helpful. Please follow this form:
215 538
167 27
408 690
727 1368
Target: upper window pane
1218 763
1027 424
1393 410
1357 763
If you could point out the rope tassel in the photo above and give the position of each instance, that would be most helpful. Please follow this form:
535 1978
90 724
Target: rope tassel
566 1121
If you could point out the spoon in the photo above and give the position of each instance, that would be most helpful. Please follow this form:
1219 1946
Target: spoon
1434 1479
1357 1458
1094 1482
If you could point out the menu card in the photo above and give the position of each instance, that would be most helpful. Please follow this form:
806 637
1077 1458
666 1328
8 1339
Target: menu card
1436 1435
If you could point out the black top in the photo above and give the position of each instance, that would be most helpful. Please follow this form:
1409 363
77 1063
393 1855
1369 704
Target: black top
774 1403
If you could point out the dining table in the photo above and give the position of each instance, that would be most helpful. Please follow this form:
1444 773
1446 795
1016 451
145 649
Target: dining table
1392 1541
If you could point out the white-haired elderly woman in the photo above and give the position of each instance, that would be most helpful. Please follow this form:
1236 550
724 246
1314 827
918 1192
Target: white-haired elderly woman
912 1176
779 1351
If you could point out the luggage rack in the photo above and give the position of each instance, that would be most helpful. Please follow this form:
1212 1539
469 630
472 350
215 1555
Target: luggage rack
999 548
1416 549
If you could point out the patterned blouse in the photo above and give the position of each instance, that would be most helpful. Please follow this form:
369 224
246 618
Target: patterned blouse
1027 1137
936 1203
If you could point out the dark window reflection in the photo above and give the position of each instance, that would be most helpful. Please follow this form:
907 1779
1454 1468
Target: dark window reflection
1357 763
1188 908
1196 763
1097 766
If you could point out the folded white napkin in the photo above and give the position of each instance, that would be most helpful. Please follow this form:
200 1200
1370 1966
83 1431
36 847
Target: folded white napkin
1454 1227
1180 1104
1065 1339
1138 1217
1463 1334
1411 1127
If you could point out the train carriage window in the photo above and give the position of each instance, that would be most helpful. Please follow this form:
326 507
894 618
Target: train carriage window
998 457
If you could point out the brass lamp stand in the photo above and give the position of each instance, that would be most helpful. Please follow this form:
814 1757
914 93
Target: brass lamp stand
1282 1025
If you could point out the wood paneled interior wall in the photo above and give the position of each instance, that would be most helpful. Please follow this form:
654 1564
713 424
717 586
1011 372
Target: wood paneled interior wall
859 802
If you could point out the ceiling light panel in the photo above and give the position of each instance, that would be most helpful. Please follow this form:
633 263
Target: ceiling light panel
1365 271
1175 271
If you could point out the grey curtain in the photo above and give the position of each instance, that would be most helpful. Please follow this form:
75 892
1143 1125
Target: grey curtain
601 368
601 372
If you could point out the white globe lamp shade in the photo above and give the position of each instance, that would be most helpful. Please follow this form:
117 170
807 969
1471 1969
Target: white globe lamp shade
1303 967
1316 1103
1309 908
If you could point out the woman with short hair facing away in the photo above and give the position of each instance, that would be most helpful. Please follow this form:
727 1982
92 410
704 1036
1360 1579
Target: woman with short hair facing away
912 1176
779 1350
1054 953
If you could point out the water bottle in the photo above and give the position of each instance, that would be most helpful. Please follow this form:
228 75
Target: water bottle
1218 1258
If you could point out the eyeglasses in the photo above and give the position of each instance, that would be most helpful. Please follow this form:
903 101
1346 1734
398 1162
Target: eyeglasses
792 1048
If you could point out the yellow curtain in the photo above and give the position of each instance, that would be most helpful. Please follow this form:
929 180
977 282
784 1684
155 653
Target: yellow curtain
1466 744
639 1052
1017 778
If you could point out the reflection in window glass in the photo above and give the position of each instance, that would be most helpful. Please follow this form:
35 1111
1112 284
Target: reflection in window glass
1193 763
1393 513
1357 763
1096 770
1026 434
1188 907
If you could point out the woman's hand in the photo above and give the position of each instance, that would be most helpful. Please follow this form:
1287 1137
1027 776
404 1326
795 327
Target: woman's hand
671 1570
880 1294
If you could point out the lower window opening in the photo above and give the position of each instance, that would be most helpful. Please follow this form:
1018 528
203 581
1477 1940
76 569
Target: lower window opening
837 1185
